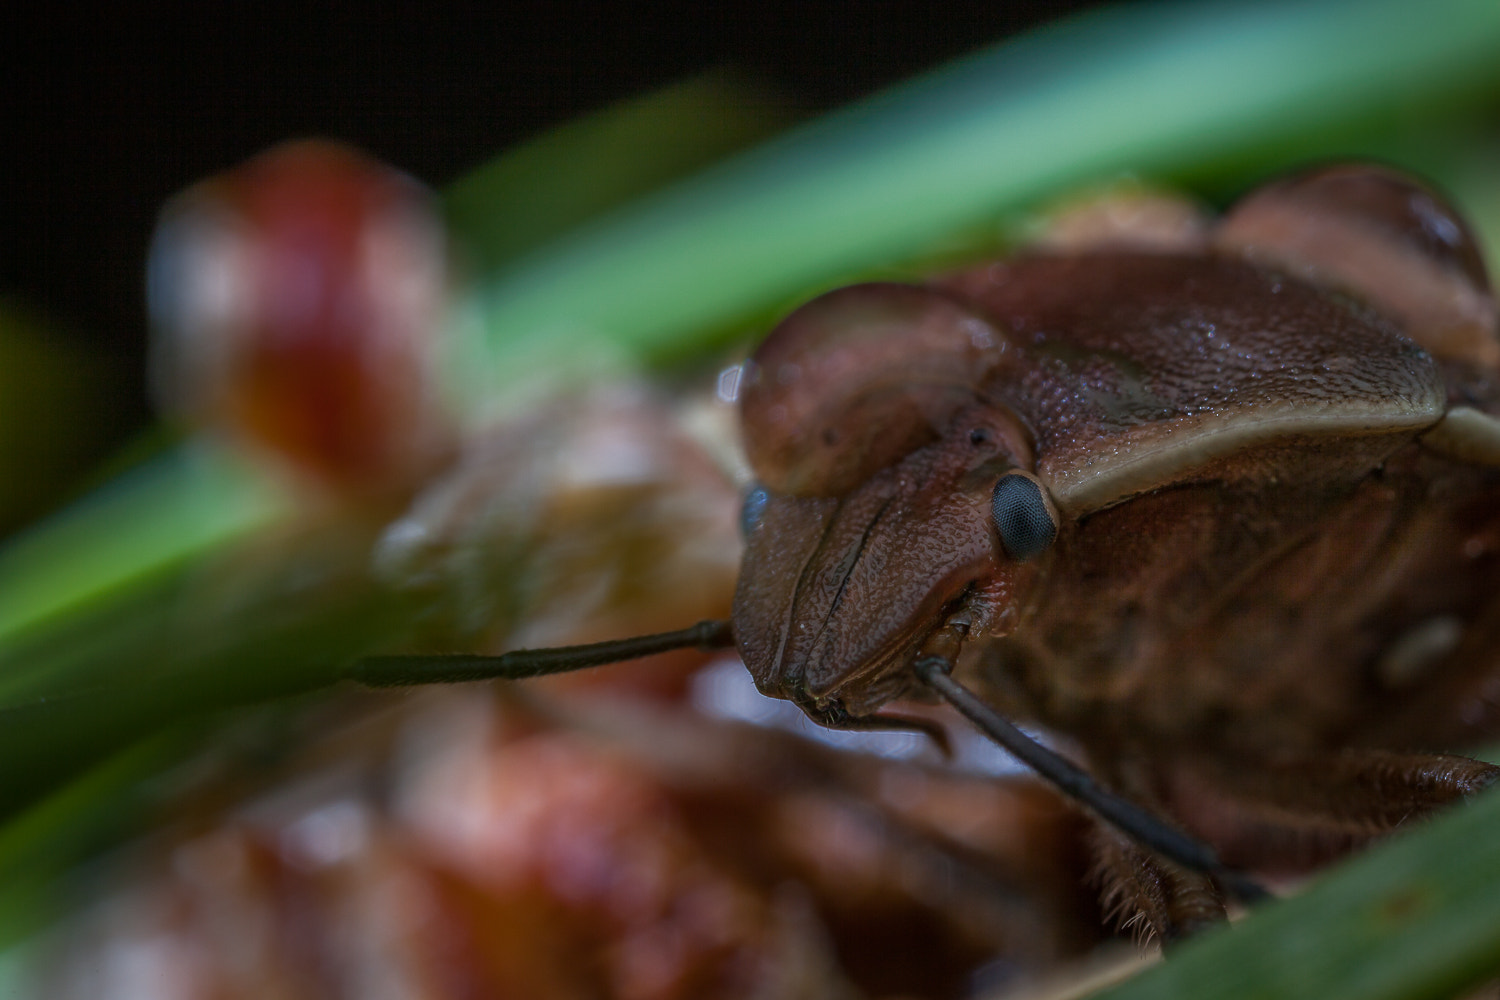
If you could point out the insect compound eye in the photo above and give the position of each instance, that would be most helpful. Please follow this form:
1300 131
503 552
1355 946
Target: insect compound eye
1023 515
753 509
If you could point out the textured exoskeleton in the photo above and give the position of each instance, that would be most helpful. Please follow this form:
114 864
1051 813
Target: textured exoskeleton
1223 512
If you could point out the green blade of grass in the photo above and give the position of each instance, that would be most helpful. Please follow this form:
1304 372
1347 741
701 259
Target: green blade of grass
560 180
146 522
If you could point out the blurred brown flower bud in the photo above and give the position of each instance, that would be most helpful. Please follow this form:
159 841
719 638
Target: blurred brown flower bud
296 302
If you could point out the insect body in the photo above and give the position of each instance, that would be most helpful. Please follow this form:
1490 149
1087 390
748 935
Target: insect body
1224 513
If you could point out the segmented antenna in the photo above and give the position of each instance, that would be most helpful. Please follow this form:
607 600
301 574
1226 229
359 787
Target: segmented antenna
407 671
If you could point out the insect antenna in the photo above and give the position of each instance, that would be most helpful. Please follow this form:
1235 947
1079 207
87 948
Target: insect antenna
454 668
1145 828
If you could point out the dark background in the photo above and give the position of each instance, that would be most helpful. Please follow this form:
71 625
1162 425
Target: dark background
111 113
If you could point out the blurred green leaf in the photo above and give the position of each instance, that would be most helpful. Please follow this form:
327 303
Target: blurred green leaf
78 819
53 391
542 189
146 522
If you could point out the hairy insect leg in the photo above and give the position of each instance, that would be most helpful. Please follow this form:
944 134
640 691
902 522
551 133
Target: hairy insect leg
406 671
1151 895
1358 791
934 667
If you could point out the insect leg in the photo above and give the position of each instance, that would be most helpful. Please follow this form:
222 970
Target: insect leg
1145 828
404 671
1361 791
1150 895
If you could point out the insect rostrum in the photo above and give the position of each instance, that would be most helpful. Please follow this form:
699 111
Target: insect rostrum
1237 478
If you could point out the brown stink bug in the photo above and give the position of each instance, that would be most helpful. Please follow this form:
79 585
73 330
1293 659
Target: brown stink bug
1220 508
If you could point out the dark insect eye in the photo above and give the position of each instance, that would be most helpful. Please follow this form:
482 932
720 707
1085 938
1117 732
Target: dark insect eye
1024 517
753 509
979 436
